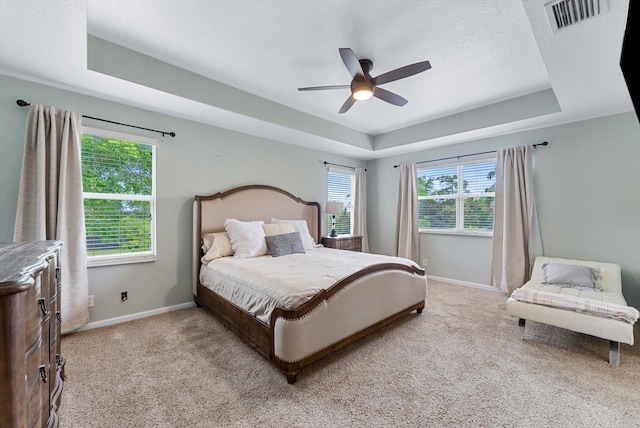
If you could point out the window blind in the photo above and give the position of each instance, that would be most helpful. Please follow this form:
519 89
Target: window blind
457 197
119 197
340 189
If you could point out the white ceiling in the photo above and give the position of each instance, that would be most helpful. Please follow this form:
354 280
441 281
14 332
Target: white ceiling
482 53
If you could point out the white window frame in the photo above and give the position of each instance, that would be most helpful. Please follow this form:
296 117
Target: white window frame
147 256
348 207
460 198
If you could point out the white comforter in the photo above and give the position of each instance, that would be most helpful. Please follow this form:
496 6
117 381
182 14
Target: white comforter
260 284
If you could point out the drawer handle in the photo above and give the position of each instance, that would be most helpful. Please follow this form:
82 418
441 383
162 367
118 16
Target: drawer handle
58 317
43 373
58 273
43 308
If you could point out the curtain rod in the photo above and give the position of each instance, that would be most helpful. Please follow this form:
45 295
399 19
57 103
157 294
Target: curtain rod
343 166
544 143
23 103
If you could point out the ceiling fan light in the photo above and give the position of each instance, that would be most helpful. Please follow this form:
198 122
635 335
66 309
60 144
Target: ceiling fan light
362 93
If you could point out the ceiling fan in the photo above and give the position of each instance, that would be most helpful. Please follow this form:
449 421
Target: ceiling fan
363 86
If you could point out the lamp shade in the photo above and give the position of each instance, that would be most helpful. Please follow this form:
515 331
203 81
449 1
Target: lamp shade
333 207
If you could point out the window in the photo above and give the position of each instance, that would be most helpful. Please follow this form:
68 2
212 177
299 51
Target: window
118 178
340 189
448 206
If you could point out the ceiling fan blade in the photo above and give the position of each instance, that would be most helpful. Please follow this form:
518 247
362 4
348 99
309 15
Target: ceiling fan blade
351 62
322 88
347 105
402 72
389 97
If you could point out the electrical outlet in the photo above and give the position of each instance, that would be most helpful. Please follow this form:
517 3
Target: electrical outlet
424 262
90 301
123 296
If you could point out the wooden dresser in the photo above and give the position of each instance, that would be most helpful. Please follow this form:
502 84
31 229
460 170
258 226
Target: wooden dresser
343 242
31 367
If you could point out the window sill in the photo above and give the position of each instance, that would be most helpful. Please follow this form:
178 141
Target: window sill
112 261
456 232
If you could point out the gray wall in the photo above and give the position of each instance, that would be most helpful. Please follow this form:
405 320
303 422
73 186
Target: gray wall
587 186
200 160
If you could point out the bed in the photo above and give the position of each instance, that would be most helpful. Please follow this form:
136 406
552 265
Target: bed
354 295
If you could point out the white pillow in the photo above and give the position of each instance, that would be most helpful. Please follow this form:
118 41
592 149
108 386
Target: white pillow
278 228
216 245
247 238
303 228
209 238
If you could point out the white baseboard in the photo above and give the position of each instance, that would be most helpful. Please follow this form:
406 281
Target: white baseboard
465 283
138 315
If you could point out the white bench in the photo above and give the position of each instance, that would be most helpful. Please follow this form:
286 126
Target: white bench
614 330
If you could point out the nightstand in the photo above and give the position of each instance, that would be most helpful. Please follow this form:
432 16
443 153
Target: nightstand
343 242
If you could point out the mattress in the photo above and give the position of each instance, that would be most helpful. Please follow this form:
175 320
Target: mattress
260 284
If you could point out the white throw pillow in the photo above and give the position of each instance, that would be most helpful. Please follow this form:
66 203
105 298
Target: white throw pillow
303 228
247 238
216 245
271 229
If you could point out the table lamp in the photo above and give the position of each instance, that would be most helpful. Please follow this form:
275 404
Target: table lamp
333 208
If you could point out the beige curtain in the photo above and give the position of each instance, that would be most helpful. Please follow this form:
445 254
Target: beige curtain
360 207
50 204
514 212
407 238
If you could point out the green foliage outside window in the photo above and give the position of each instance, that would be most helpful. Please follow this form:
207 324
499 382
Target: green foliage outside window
343 222
117 180
340 190
475 199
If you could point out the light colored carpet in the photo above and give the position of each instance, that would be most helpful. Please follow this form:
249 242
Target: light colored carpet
459 363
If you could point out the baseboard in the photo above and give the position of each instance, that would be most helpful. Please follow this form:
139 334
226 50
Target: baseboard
138 315
465 283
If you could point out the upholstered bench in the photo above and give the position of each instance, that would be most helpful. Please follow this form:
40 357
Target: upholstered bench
599 311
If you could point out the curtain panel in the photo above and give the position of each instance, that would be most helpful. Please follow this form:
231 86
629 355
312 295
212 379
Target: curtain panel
50 203
514 243
407 237
360 208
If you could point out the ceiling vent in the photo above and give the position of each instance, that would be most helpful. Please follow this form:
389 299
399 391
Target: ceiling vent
566 13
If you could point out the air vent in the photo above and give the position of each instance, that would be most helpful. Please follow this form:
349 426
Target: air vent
566 13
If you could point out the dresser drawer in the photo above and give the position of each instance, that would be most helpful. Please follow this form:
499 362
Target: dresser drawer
54 318
52 276
33 316
350 244
34 386
346 242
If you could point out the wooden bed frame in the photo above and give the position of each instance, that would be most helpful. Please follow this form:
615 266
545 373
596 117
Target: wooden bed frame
282 340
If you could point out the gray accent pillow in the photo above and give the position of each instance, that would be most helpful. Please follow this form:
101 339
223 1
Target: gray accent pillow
575 276
285 243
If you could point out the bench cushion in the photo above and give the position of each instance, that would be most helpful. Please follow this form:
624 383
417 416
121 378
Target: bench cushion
594 307
603 296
